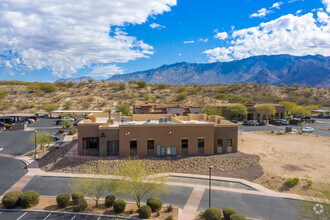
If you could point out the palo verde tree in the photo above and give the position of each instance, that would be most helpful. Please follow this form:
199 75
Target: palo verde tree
236 110
211 110
137 180
42 138
265 109
93 187
49 108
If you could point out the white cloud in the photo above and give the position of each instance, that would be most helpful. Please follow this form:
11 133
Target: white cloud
180 54
203 40
157 26
221 35
276 5
289 34
298 12
189 42
327 5
65 36
261 13
105 71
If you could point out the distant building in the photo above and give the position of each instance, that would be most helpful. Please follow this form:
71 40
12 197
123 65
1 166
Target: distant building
252 113
166 109
156 135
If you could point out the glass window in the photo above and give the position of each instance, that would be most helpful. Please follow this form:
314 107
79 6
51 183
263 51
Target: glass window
133 144
219 142
150 144
229 142
200 143
184 143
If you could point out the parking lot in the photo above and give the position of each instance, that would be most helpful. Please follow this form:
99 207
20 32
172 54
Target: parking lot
320 127
22 215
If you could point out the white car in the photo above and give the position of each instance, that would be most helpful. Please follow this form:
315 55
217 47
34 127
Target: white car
67 119
307 130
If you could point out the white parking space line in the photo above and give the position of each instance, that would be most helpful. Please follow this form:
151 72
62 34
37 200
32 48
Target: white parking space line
47 216
73 217
21 216
98 218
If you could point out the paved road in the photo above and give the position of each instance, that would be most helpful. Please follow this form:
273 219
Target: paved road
15 142
11 171
23 215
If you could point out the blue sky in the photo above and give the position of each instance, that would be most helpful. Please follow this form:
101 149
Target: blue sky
45 41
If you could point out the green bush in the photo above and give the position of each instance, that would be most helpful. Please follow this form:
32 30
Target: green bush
72 132
119 206
170 208
227 212
155 204
291 182
61 131
212 214
11 199
170 217
237 217
63 200
81 205
309 182
144 212
77 195
109 200
29 198
182 96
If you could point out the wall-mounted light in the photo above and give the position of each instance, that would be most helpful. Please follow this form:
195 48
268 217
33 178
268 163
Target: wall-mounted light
127 133
169 133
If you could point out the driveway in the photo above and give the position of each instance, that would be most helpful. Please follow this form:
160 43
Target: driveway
16 142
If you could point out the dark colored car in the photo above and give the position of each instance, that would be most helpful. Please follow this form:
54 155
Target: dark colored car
306 117
81 119
58 122
44 116
248 123
233 121
276 122
56 138
261 122
7 120
294 121
33 117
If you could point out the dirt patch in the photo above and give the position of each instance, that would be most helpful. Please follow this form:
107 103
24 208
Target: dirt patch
292 168
49 204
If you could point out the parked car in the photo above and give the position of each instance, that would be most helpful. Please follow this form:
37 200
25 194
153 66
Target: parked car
81 119
306 117
56 138
33 117
248 123
233 121
67 119
294 121
44 116
276 122
7 120
23 122
307 130
285 122
261 122
2 124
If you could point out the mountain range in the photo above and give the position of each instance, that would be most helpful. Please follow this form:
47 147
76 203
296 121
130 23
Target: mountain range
75 80
274 70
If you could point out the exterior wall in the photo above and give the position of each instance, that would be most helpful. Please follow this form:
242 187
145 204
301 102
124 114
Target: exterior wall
107 134
87 130
224 133
195 110
177 111
160 135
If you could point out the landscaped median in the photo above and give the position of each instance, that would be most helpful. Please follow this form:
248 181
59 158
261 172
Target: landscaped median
77 203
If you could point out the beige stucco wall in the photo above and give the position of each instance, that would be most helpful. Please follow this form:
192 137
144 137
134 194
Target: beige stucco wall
224 133
160 134
86 130
111 134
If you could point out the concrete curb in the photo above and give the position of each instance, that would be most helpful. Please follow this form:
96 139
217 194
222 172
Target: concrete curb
72 213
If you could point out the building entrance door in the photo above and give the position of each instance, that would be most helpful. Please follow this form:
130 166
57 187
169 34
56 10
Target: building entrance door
249 117
113 148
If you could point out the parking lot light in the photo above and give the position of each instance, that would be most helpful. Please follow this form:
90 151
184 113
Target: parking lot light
210 169
35 144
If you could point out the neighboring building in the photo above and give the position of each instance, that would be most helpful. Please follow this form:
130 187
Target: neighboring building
156 134
252 113
161 109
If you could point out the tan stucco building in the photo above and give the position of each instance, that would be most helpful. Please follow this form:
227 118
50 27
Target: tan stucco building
156 135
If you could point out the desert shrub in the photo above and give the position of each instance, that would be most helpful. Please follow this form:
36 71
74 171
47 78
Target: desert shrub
109 200
237 217
163 86
66 123
77 195
131 211
220 96
72 132
182 96
155 203
61 131
29 198
212 214
291 182
11 199
121 86
7 126
170 208
80 205
141 84
63 200
170 217
192 91
309 182
144 212
227 212
119 206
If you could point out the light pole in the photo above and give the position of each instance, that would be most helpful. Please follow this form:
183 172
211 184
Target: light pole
210 170
35 144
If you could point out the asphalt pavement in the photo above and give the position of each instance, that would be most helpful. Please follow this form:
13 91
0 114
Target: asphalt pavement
11 171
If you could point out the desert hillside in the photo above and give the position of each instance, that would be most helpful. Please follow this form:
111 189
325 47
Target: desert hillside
101 95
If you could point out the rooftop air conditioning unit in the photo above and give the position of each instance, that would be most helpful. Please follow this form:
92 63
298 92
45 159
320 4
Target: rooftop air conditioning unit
124 119
148 120
161 120
165 120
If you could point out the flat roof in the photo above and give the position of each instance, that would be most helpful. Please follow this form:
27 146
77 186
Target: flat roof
321 111
76 111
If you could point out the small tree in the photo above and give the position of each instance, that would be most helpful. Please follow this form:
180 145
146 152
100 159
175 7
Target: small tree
3 94
265 109
42 139
142 84
124 108
49 108
93 187
66 123
211 110
236 110
137 180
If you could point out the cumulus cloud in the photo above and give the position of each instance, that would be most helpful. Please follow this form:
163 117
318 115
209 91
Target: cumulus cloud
203 40
221 35
157 26
189 42
289 34
327 5
65 35
105 71
261 13
276 5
